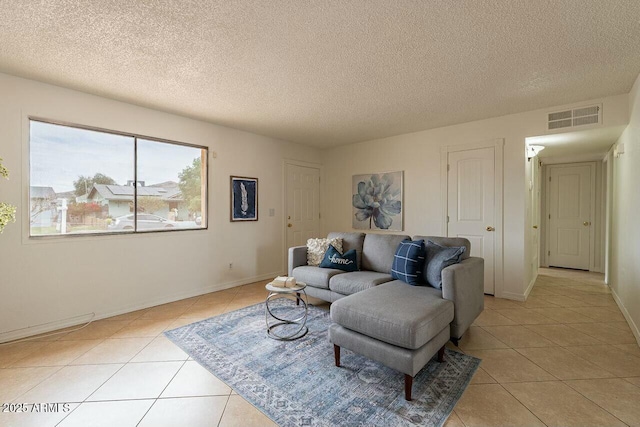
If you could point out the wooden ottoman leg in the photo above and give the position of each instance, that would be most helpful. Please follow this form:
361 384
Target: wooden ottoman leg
336 353
297 298
441 355
408 384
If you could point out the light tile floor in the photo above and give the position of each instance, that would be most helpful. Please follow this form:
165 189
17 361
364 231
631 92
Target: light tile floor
564 357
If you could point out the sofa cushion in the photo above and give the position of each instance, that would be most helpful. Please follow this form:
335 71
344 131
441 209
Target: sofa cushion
350 283
437 259
378 251
350 241
396 313
449 242
315 276
334 259
316 248
408 261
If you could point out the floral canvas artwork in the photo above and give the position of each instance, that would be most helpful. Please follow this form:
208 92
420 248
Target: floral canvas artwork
377 201
244 199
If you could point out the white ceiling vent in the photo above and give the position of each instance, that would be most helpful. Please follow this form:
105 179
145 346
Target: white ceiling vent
583 116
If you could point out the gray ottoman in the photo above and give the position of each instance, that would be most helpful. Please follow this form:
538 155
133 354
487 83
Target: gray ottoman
398 325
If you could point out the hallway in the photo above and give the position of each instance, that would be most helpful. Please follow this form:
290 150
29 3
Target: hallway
566 356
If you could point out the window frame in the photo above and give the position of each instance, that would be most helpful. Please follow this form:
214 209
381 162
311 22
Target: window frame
135 137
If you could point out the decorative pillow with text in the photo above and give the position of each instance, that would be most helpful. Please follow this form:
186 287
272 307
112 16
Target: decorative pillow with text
345 262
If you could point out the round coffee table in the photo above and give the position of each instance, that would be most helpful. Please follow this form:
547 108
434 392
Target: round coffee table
274 321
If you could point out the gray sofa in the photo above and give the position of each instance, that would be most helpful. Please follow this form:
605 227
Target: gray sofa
462 283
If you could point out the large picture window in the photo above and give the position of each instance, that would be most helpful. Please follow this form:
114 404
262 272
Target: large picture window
88 181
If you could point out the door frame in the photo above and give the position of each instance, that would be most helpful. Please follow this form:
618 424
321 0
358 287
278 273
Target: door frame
293 162
535 188
547 211
498 145
607 163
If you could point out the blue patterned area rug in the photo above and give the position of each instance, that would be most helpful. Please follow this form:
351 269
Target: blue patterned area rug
295 383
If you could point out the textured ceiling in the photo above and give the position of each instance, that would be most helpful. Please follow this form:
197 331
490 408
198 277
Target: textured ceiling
328 72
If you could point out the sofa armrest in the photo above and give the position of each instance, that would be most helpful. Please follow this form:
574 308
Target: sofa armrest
297 257
463 283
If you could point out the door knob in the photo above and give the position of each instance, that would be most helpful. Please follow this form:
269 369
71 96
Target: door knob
535 226
586 223
490 228
289 225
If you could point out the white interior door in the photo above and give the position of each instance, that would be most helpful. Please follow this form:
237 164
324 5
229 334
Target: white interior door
303 204
570 206
471 203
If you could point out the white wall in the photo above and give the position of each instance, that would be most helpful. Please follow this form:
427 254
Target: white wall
418 154
624 267
44 281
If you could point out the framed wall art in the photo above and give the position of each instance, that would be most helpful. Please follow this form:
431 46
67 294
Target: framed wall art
244 199
377 201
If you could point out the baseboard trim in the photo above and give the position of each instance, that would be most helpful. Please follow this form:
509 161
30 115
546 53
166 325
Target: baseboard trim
513 296
625 313
30 331
530 287
191 294
83 318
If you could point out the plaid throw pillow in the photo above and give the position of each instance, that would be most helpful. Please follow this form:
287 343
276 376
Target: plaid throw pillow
408 261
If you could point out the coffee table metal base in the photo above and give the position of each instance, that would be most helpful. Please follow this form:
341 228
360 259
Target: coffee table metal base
274 322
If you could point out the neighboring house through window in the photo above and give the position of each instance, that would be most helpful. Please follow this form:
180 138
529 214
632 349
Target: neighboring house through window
43 206
89 181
